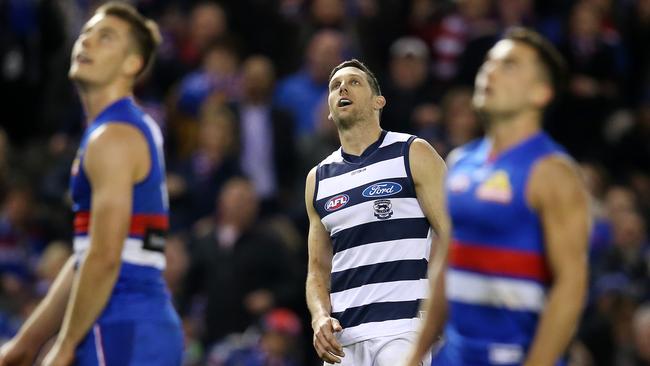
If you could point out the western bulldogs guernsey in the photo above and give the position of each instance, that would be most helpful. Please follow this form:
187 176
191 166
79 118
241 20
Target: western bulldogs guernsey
140 292
380 236
498 275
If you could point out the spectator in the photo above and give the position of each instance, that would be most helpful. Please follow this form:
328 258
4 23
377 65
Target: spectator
202 175
459 123
237 265
266 135
276 344
593 86
207 24
301 92
641 324
409 89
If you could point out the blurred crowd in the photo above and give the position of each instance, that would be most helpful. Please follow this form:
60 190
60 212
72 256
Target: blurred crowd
239 88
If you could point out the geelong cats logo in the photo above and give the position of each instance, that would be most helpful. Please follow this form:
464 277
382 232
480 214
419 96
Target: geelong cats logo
383 209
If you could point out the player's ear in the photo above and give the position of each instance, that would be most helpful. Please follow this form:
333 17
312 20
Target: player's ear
541 94
329 117
380 102
133 64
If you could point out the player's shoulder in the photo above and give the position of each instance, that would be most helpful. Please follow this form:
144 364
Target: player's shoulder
116 139
460 152
555 178
334 157
557 165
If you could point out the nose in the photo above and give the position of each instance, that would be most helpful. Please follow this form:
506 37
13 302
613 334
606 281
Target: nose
343 87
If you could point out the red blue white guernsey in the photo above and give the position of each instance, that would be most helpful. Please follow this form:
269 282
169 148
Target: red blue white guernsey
140 291
498 275
381 239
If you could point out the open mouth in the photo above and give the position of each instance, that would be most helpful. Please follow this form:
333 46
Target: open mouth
82 59
344 102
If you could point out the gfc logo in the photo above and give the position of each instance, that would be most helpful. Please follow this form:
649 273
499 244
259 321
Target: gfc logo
337 202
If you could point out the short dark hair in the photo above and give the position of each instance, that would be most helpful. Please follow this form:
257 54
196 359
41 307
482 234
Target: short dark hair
144 31
552 61
372 80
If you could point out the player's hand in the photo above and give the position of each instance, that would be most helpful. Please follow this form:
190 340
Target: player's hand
326 345
13 353
61 354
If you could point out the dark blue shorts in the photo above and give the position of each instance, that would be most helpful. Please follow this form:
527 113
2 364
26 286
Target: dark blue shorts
131 343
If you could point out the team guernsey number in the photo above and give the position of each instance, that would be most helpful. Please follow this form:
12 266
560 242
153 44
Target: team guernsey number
382 189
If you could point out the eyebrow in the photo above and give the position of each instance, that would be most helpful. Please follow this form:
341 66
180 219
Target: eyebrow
349 76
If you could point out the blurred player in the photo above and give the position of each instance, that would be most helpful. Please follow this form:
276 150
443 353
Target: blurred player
371 205
518 259
109 304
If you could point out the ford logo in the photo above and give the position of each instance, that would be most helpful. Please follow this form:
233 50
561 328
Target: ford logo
337 202
382 189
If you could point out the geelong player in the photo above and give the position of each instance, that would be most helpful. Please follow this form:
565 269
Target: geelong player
109 304
518 261
372 205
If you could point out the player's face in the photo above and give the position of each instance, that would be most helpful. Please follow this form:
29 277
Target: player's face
101 51
506 82
350 97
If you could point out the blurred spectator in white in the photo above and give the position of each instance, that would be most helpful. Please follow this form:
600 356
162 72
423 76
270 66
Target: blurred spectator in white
301 92
267 152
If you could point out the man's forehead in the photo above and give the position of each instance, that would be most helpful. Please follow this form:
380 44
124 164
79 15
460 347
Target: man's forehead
108 21
508 48
347 71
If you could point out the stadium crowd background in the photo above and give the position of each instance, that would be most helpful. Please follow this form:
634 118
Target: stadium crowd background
239 89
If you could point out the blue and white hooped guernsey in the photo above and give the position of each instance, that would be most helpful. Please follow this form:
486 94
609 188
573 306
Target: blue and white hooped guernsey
143 256
381 239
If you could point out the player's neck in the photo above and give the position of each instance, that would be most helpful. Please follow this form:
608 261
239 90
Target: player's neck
96 99
356 140
507 132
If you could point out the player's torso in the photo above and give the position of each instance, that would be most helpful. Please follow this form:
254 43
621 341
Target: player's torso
380 237
140 290
498 274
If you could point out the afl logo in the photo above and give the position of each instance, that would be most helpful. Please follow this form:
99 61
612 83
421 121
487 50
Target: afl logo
382 189
337 202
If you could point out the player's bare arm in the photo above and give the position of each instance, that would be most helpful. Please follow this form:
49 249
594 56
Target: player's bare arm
428 170
557 193
116 158
318 280
42 324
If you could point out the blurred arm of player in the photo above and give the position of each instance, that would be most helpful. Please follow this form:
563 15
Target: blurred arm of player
116 157
42 324
318 282
557 193
429 171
